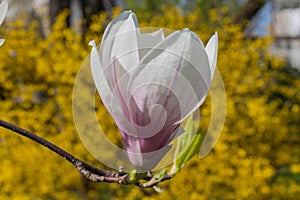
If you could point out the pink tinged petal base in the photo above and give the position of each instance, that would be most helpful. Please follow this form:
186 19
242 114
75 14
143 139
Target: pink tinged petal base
147 152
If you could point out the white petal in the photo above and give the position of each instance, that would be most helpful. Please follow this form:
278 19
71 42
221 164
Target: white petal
111 86
120 41
177 71
1 41
146 41
3 11
194 36
212 52
114 26
99 77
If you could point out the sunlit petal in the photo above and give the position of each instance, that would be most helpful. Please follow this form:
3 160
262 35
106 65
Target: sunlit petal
178 62
212 52
120 41
98 76
1 41
3 10
147 41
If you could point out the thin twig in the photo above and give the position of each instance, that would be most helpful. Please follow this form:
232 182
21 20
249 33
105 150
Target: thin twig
81 166
90 172
152 182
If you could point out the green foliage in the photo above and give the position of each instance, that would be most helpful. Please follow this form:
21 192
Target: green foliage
257 156
160 174
188 145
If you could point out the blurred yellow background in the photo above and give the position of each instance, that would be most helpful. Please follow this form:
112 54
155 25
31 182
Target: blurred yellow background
256 157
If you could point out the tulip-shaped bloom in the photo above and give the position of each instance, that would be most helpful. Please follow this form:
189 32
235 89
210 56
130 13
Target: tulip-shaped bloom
150 83
3 10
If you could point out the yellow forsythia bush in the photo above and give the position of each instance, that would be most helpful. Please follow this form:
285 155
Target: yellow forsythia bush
257 156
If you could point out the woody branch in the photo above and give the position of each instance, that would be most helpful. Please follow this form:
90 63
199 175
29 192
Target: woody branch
90 172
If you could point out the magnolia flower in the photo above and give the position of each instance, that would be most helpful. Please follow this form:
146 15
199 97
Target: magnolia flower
150 83
3 10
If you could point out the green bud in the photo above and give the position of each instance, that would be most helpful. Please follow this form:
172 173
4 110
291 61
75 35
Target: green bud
160 174
134 176
187 145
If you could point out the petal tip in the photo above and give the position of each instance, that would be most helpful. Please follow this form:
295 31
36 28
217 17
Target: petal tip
129 13
93 43
216 35
186 30
2 41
